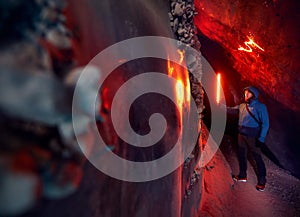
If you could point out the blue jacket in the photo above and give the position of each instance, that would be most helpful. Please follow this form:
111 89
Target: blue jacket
247 124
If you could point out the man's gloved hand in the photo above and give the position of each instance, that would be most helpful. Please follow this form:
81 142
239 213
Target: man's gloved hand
259 143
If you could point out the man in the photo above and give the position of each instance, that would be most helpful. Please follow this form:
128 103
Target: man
253 126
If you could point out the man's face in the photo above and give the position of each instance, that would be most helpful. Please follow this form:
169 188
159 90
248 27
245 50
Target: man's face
247 95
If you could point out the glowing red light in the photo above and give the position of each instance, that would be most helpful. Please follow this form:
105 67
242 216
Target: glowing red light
250 44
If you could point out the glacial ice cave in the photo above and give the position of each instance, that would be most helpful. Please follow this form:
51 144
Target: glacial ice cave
111 108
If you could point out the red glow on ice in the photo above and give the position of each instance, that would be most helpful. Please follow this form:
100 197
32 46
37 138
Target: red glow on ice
182 86
250 44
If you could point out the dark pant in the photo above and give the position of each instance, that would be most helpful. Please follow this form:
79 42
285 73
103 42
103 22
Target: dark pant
249 143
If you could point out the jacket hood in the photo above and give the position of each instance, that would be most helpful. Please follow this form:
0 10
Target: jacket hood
253 90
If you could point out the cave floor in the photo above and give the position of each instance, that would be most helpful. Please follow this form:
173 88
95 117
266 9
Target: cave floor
221 195
224 197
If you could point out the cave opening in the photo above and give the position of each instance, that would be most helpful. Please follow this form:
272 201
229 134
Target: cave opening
232 85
